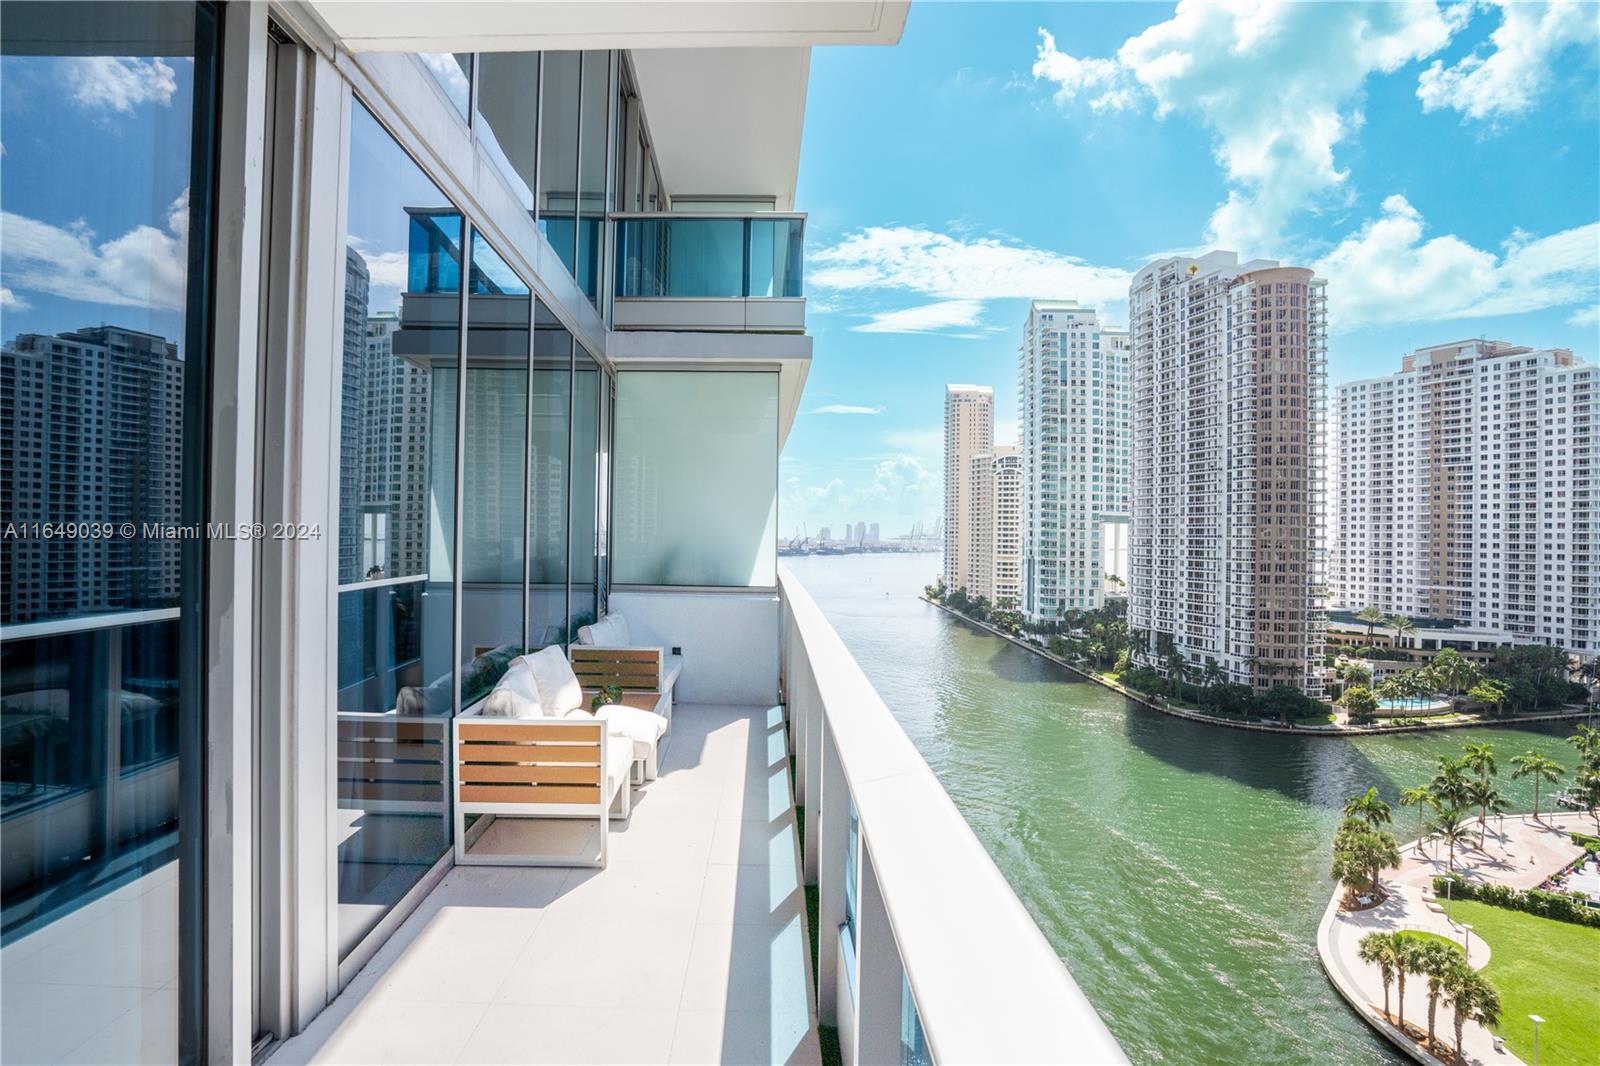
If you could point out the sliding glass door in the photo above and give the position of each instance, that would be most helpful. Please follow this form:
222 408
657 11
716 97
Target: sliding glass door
104 262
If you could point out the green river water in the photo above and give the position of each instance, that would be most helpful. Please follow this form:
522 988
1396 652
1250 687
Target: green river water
1179 868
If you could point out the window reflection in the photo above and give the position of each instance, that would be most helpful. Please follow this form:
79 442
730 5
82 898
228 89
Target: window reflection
584 552
596 94
547 481
508 107
558 154
95 381
453 72
496 442
396 527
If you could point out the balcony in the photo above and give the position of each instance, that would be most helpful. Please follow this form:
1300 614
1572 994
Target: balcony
704 939
709 272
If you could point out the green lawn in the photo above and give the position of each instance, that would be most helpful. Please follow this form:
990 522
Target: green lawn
1544 967
1418 934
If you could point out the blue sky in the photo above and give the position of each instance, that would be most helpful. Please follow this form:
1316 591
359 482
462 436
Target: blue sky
1437 164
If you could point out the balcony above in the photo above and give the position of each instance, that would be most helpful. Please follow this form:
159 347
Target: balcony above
709 272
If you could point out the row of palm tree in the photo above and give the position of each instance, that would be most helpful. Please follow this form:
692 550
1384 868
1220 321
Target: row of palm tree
1470 994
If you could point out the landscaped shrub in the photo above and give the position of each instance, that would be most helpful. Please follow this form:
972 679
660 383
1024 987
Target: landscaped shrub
1561 907
1587 842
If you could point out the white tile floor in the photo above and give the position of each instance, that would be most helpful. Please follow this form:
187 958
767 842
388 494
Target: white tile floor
97 985
689 947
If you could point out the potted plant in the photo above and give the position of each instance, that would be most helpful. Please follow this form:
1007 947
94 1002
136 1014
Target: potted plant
609 694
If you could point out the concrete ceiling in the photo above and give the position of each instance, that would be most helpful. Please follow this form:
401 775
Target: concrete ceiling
726 122
477 26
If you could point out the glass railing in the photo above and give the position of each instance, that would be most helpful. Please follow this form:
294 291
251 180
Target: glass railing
710 256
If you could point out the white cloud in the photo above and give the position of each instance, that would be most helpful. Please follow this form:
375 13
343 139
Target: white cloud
144 267
1524 50
10 301
927 318
846 409
962 274
901 489
1587 316
118 83
1280 84
387 269
1386 272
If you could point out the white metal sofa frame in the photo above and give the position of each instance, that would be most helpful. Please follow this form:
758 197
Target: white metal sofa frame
536 768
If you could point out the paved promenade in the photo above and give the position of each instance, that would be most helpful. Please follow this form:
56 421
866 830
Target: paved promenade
1518 852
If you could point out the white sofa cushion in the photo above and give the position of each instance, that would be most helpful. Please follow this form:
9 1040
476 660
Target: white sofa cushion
516 695
610 632
643 728
559 691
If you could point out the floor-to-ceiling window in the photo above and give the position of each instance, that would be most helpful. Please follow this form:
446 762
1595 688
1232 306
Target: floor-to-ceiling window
592 153
549 461
396 527
103 260
561 86
587 381
493 487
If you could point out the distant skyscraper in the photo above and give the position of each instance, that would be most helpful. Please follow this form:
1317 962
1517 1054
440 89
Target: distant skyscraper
1008 496
91 431
1465 490
872 533
860 534
1229 369
1074 405
968 431
825 535
352 416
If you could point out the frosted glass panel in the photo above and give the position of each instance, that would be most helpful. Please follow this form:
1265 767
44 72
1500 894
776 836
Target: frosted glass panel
695 479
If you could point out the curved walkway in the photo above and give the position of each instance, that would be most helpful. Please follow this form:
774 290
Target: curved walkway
1155 704
1517 852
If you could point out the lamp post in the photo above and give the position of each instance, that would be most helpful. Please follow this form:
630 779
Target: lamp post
1466 945
1537 1021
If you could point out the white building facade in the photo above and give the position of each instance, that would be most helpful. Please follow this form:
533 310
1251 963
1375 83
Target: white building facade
968 431
1074 406
1465 490
1229 365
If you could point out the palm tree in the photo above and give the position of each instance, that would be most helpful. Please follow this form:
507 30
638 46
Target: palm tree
1369 808
1449 826
1419 798
1480 757
1407 960
1379 950
1402 627
1372 617
1484 796
1472 998
1449 785
1540 768
1435 961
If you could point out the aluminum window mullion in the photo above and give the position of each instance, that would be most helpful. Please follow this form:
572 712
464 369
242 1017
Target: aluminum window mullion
462 324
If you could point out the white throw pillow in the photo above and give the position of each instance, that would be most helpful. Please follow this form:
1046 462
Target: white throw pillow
559 691
517 694
586 634
619 630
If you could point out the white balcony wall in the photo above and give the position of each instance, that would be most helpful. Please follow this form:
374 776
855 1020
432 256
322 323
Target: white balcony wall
729 640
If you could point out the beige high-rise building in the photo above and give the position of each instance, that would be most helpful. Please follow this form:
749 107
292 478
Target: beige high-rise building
994 524
968 431
1465 490
1007 525
1229 372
